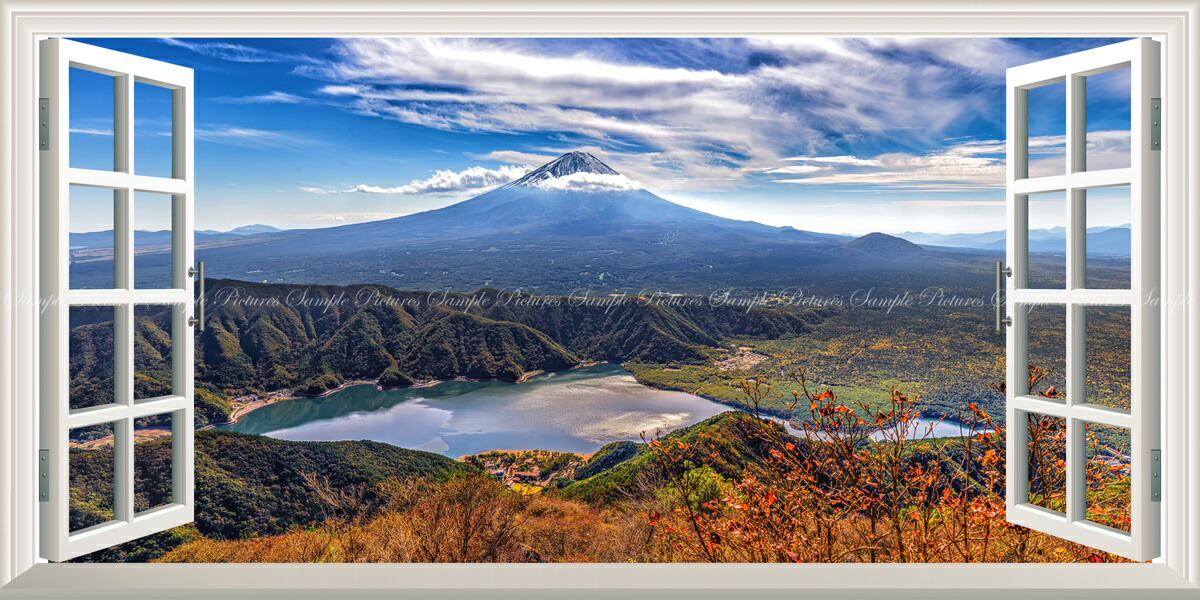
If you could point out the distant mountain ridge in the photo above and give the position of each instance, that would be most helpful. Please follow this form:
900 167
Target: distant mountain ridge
1107 239
143 237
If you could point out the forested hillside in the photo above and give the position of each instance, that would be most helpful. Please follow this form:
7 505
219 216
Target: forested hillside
265 337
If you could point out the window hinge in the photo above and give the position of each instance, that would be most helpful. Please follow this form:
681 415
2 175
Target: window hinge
1156 123
43 475
1156 475
43 123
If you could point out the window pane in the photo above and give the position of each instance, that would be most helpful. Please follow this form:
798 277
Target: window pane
92 105
152 222
92 348
1108 238
1109 495
90 219
1047 350
1047 240
1047 461
152 147
1047 130
152 372
1108 355
152 462
1108 111
91 472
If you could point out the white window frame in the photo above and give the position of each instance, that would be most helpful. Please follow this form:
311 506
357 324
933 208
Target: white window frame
58 56
1143 419
1174 23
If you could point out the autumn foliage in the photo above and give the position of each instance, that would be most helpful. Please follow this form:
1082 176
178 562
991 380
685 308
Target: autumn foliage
857 483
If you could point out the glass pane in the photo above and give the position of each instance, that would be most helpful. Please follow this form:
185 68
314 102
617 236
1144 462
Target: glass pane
152 462
91 348
152 148
1108 237
152 351
1108 355
90 218
1047 461
91 110
1048 130
91 473
1047 240
1047 350
1108 111
1109 495
152 221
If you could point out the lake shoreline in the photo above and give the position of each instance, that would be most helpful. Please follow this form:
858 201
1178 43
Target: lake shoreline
249 407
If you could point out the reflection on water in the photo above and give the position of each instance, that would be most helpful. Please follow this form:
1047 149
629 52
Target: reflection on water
918 429
571 411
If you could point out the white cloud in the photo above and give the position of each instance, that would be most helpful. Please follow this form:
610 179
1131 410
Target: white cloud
275 97
589 182
451 182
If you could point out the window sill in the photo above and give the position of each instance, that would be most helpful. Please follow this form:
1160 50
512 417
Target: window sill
526 582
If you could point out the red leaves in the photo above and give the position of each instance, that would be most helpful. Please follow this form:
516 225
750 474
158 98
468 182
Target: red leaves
655 517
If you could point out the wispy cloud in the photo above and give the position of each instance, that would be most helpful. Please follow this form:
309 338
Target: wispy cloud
964 166
348 217
91 131
247 136
275 97
452 182
234 52
700 127
317 190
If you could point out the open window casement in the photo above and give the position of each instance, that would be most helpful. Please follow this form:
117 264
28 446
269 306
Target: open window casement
1052 306
122 493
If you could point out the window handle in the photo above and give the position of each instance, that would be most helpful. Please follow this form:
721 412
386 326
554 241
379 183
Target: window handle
198 271
1001 272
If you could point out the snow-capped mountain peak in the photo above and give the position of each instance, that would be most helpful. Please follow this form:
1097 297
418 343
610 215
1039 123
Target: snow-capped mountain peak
576 171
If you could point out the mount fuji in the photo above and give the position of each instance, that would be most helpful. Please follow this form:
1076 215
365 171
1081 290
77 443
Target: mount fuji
572 224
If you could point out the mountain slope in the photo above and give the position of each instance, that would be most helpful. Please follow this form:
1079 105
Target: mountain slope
263 337
246 485
882 245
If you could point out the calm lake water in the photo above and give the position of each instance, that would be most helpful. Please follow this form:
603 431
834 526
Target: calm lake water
570 411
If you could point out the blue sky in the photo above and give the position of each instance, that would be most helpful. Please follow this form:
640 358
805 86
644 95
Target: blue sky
826 134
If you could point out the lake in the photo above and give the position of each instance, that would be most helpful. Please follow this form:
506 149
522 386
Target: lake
569 411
